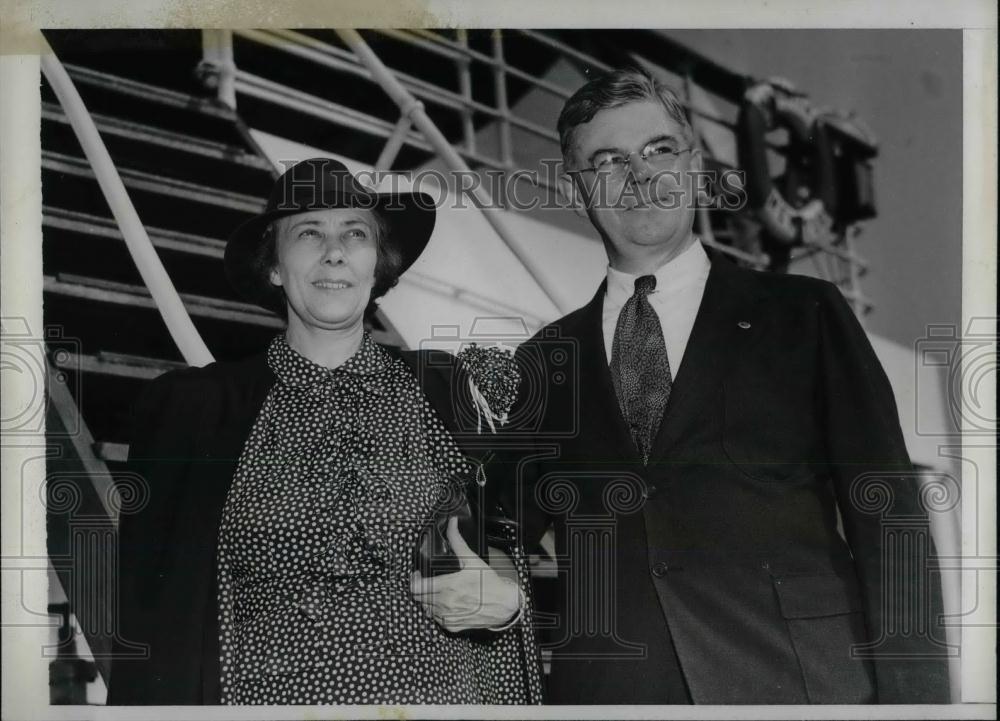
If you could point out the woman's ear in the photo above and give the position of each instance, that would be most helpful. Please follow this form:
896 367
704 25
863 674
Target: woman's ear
275 277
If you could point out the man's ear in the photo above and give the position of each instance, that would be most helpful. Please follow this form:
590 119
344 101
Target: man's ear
569 191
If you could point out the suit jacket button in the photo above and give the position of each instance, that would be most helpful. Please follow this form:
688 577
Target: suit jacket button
660 569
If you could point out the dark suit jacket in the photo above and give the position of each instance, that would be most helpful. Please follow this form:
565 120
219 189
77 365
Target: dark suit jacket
780 419
189 427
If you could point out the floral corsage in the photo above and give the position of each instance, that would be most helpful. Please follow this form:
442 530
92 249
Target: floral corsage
494 380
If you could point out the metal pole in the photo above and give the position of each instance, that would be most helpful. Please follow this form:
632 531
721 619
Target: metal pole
465 87
852 270
384 77
154 275
500 83
217 53
391 148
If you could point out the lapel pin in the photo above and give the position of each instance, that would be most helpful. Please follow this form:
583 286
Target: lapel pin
744 324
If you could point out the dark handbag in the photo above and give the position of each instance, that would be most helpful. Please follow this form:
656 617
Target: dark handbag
434 555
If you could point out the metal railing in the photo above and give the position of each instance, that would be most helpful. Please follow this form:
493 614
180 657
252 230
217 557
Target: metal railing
437 44
354 57
462 103
413 110
409 93
148 263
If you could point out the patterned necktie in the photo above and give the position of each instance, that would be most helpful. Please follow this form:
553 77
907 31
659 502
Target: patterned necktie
640 369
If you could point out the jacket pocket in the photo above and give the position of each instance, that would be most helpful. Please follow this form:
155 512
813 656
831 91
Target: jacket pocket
825 620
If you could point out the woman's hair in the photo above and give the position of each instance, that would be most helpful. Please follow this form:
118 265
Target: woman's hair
388 266
612 90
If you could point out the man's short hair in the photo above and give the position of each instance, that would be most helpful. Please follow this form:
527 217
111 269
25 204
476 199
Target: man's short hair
612 90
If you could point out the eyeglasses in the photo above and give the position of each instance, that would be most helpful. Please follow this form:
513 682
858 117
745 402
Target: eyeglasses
658 155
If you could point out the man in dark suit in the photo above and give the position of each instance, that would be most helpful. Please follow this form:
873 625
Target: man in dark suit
719 455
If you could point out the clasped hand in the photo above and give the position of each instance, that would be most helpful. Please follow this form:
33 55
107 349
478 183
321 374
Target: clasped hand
474 597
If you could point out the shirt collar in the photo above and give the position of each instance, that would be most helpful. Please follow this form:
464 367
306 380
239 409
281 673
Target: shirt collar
677 273
295 370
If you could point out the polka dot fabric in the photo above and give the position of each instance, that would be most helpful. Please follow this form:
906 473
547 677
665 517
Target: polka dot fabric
341 470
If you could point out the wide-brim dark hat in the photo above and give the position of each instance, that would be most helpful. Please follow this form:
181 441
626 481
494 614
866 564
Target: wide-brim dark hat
316 184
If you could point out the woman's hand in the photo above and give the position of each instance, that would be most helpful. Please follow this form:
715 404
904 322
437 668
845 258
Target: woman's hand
475 597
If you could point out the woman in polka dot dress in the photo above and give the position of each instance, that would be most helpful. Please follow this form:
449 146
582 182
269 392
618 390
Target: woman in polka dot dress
274 562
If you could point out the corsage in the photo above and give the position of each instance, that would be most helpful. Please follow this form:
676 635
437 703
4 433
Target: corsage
493 382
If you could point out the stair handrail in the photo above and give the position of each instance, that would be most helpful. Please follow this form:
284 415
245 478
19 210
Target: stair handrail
147 261
413 109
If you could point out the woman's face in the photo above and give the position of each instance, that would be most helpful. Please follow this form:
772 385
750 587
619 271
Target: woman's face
326 266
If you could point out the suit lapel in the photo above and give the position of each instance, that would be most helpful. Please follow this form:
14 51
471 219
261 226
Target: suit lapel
727 324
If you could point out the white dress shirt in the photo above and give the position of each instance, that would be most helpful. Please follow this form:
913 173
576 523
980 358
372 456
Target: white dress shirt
679 287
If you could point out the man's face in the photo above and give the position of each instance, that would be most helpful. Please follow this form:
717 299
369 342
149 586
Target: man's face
326 266
650 206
